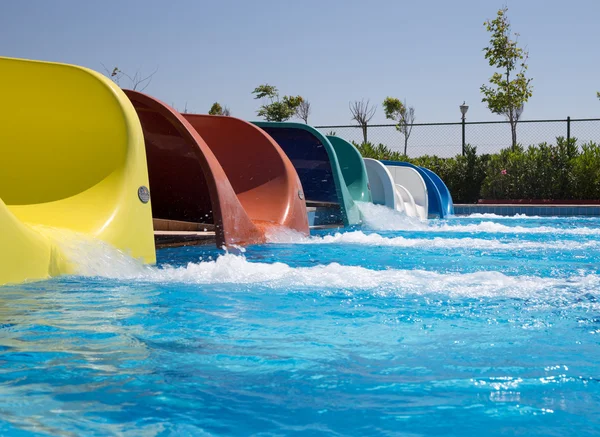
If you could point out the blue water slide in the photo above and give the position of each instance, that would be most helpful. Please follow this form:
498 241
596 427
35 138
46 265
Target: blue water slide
440 205
446 197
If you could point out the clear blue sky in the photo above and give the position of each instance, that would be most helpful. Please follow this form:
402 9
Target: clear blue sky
330 52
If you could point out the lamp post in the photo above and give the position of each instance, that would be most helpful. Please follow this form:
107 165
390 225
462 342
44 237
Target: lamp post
463 110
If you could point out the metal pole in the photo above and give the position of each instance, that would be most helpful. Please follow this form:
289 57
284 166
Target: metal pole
463 135
568 130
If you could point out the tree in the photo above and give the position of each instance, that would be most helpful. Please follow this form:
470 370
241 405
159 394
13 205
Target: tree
274 108
217 109
303 111
510 89
405 116
138 82
598 95
362 114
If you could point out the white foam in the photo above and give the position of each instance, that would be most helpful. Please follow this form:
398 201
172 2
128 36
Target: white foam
379 217
361 238
91 257
498 228
235 269
382 218
99 259
524 217
488 215
284 235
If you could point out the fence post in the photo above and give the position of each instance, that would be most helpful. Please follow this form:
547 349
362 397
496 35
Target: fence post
463 110
568 130
463 135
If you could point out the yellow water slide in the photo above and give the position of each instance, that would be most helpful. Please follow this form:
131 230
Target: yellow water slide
72 158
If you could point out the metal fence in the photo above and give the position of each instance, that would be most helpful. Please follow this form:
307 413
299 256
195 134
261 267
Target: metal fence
447 139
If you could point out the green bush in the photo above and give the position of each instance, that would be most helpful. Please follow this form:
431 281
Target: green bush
463 175
586 172
563 171
541 172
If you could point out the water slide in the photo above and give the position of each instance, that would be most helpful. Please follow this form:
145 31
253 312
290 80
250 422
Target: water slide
440 200
218 173
317 165
398 187
406 187
447 205
353 169
72 164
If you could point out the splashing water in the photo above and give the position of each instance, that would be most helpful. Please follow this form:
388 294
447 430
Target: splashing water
379 217
95 258
466 326
92 257
374 239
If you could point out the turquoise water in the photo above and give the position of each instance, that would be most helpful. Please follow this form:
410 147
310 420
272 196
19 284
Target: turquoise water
469 326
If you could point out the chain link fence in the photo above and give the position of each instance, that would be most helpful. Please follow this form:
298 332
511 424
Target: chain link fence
446 139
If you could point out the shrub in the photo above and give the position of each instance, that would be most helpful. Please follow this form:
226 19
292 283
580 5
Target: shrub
563 171
539 172
586 172
462 174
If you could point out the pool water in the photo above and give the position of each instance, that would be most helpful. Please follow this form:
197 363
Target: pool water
479 325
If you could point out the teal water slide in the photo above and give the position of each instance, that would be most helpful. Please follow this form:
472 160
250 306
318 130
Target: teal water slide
332 177
353 169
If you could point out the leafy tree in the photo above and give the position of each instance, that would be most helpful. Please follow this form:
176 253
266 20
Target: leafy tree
510 89
598 95
405 116
362 114
217 109
274 108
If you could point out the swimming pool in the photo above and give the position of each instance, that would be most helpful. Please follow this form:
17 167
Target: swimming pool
465 326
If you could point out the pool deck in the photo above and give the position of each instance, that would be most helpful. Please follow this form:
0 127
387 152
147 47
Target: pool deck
563 210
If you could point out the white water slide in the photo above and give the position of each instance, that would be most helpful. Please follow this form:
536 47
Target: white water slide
399 188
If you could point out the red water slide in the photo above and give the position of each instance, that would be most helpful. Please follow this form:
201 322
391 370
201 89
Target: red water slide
219 171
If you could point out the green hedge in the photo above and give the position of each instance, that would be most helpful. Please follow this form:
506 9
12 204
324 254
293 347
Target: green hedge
564 171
